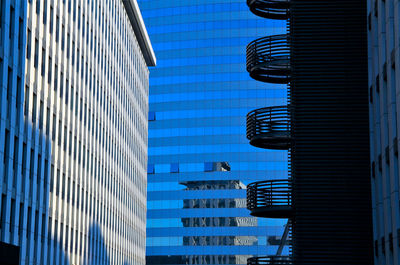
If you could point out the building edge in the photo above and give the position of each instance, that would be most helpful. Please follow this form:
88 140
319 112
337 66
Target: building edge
136 19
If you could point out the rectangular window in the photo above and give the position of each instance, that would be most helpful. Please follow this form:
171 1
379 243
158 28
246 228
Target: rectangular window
3 211
45 12
19 88
62 37
51 178
47 122
26 100
21 219
28 227
34 108
65 138
53 137
9 84
66 91
43 61
20 33
208 166
152 116
51 19
36 59
150 169
39 169
10 32
15 159
55 77
31 168
174 168
59 132
37 7
24 157
58 183
28 44
12 215
41 110
57 28
6 146
49 71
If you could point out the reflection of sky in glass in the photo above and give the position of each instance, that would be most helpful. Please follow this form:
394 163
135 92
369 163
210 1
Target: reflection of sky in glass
200 94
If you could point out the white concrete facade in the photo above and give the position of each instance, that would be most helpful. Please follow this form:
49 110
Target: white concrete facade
74 111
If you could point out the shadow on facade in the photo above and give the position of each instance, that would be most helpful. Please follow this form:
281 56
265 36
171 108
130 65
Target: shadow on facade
96 251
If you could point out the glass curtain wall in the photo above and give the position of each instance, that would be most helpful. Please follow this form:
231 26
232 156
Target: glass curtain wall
199 158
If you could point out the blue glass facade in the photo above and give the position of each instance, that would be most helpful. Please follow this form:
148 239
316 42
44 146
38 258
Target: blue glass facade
199 158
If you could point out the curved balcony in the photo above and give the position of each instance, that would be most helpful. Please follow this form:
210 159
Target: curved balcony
270 260
271 198
273 9
269 128
268 59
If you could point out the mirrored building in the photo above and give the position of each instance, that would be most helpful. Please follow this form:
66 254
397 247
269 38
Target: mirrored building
200 161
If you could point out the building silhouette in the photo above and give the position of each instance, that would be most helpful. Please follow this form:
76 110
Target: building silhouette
73 131
383 82
325 126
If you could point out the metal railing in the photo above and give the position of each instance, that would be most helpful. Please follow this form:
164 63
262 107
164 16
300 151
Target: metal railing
270 260
273 9
269 193
268 59
269 127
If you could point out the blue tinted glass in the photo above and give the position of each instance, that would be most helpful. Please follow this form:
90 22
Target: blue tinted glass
208 166
175 168
152 116
201 93
150 169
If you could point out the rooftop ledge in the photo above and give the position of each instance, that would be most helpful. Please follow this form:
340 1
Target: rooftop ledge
135 17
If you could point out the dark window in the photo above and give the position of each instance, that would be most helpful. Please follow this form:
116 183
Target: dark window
51 19
208 166
36 59
11 22
45 12
49 71
19 88
43 61
174 168
3 210
28 44
152 116
150 169
57 28
20 33
37 7
6 146
9 84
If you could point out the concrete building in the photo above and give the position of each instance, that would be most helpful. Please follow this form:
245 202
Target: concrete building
73 130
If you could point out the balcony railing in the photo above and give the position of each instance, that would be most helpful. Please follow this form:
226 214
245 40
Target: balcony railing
268 59
273 9
269 127
271 198
270 260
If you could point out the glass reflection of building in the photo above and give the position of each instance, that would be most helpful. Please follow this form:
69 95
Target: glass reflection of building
199 158
232 240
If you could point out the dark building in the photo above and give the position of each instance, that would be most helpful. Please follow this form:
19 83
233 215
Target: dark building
384 85
328 195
